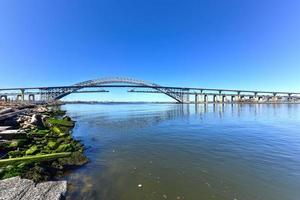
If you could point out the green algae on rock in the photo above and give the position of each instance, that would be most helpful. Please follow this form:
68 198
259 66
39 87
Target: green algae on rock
18 160
43 152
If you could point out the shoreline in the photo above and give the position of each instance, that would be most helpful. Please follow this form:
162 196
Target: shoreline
37 145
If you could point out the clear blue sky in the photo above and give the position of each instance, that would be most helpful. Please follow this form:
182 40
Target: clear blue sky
249 44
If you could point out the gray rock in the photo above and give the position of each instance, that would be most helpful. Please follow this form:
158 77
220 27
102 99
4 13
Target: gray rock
36 120
66 117
44 120
22 189
41 109
23 118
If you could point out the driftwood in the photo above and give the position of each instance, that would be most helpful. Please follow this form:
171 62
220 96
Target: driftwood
6 110
12 114
3 128
12 134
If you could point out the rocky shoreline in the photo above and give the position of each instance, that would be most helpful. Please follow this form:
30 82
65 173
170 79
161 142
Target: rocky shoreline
36 145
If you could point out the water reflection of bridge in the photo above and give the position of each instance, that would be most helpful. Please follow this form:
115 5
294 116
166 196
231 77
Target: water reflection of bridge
144 118
134 120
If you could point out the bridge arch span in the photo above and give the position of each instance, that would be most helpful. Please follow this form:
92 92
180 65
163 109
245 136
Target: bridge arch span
103 81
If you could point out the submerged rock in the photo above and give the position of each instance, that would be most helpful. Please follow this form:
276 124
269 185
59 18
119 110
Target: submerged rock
75 159
67 118
22 189
38 174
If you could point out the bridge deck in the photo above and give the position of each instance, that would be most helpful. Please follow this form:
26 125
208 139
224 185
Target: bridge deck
199 90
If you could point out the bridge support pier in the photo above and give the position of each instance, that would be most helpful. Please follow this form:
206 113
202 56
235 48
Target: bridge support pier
242 98
232 99
3 96
274 99
199 98
22 94
214 98
223 98
205 98
31 97
289 98
19 97
251 98
255 98
196 98
220 99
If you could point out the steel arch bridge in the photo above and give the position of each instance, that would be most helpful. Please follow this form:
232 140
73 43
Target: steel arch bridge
57 93
179 94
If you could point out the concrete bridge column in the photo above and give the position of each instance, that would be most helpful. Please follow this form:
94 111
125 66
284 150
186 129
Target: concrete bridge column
259 98
22 94
251 98
19 97
238 96
255 99
201 98
196 98
232 99
289 97
241 98
205 98
31 97
223 98
274 98
220 97
3 96
269 98
214 98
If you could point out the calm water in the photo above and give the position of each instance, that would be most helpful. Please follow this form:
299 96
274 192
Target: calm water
228 152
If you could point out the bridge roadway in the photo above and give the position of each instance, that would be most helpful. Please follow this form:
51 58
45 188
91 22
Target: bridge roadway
180 94
145 86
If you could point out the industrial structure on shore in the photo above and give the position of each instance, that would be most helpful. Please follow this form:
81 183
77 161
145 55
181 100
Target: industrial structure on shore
179 94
